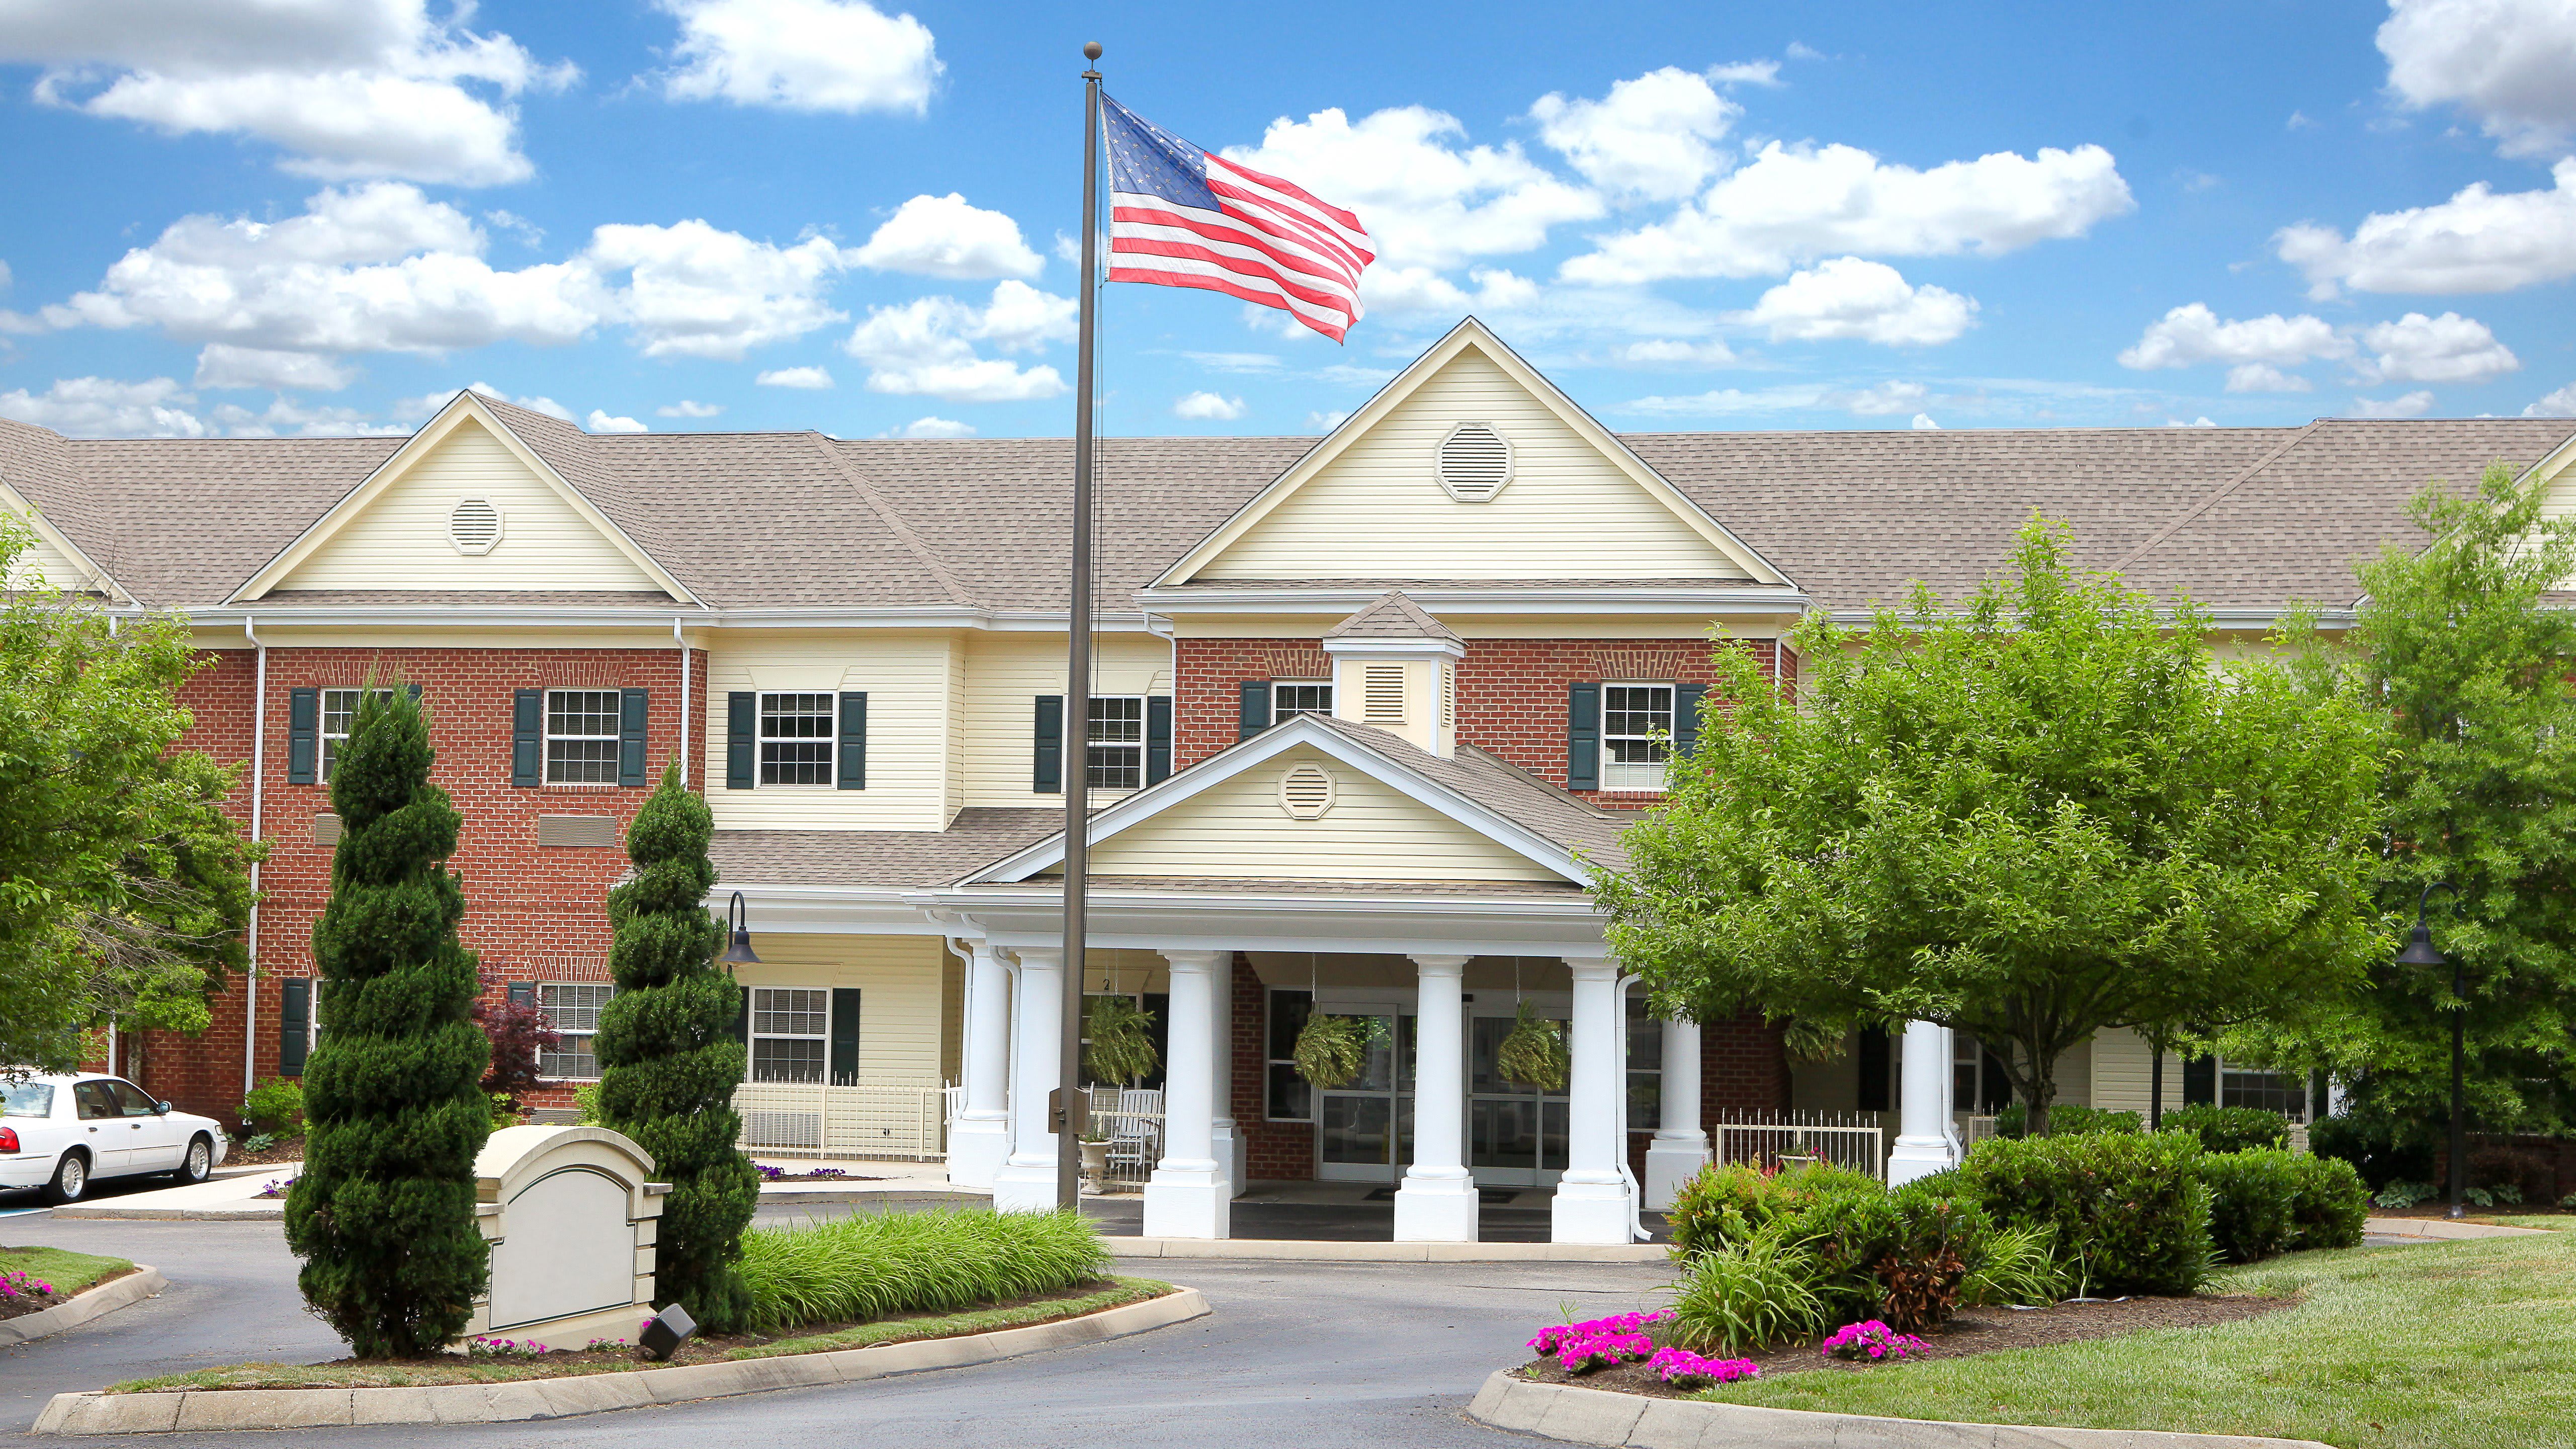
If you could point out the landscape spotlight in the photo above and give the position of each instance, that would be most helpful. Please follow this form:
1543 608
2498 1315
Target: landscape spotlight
665 1331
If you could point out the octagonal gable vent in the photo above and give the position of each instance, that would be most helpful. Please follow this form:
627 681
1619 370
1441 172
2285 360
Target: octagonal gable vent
475 525
1306 792
1475 462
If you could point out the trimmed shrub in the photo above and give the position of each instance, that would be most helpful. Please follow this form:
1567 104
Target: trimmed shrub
2129 1213
2328 1203
2230 1129
1866 1252
2251 1195
870 1265
2067 1120
1745 1296
1724 1204
2381 1153
2532 1177
383 1211
274 1108
1941 1234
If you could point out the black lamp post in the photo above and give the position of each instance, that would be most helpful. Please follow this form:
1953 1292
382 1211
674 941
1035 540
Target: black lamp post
737 951
2419 952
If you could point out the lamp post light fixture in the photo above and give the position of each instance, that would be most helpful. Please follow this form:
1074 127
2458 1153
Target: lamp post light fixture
2419 952
737 951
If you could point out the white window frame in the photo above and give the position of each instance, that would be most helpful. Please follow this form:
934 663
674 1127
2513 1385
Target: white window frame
764 765
1120 756
2298 1088
332 744
765 1003
1271 1064
1636 777
567 1055
614 738
1282 712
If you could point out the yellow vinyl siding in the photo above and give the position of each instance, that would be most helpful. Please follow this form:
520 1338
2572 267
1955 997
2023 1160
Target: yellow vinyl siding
1378 511
902 1026
905 676
40 564
1004 675
399 539
1235 829
2123 1067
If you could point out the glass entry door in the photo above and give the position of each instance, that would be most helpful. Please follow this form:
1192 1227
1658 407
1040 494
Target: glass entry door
1516 1131
1364 1128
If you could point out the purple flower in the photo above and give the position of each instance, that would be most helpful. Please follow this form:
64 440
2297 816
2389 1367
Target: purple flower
1684 1369
1583 1355
1872 1341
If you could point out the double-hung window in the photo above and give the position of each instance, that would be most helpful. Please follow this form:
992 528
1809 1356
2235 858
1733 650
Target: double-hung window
1115 759
2282 1092
581 736
790 1028
1636 735
796 740
1286 1097
339 717
1290 698
572 1009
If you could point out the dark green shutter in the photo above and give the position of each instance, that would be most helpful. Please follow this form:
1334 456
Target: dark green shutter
1158 738
294 1010
1256 709
854 740
414 691
1686 698
742 738
1049 772
527 738
845 1034
2200 1081
633 708
303 734
1583 737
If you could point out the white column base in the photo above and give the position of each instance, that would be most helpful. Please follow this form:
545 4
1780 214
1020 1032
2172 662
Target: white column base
1915 1157
977 1148
1187 1202
1230 1148
1436 1209
1590 1212
1021 1188
1670 1162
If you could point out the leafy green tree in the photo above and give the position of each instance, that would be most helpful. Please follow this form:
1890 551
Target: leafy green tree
2033 817
383 1212
2460 642
670 1056
124 888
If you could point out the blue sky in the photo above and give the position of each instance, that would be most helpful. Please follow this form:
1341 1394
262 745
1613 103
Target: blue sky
293 216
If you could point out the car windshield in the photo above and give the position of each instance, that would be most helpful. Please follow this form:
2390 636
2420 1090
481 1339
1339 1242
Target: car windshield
26 1099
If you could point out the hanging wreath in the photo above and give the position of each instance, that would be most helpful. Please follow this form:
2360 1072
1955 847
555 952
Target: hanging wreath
1122 1041
1331 1051
1535 1052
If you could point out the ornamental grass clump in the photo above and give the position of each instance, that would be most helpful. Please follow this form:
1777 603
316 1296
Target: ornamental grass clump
849 1270
1746 1296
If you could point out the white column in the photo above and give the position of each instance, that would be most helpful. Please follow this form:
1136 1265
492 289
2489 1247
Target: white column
1924 1144
980 1139
1591 1204
1230 1145
1188 1196
1680 1148
1026 1183
1437 1201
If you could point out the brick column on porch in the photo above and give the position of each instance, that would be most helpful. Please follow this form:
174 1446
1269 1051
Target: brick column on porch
1276 1151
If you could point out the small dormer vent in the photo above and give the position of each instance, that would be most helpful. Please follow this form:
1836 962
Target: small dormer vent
1382 694
1475 462
1306 792
474 526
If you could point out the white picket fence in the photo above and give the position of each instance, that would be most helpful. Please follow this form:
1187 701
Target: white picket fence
1855 1140
906 1121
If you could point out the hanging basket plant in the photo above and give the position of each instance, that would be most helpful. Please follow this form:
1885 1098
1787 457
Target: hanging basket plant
1535 1052
1121 1037
1332 1050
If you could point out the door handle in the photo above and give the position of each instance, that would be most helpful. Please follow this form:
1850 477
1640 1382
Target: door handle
93 1129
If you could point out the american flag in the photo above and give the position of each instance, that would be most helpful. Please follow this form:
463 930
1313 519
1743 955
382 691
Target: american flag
1181 216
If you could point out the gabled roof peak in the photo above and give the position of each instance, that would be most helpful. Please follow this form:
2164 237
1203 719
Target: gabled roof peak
1393 616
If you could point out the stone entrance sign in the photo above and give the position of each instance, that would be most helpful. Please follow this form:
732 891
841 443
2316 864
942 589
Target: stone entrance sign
570 1214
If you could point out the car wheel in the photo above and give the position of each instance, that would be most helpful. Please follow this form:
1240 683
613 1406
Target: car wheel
71 1179
200 1163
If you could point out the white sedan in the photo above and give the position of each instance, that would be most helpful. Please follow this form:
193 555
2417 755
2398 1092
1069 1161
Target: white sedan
61 1132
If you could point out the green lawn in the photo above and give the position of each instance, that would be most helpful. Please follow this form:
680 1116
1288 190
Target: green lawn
2458 1345
68 1272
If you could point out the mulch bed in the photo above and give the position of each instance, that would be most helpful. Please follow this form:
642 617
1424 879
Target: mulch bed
284 1149
27 1303
1973 1331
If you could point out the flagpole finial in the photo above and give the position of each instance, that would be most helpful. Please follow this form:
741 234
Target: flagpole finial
1091 50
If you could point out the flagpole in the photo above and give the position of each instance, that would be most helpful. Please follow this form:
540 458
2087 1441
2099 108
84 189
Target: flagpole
1076 767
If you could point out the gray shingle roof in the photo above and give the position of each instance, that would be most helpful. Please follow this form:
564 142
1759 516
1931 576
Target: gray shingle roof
1392 616
1571 822
884 858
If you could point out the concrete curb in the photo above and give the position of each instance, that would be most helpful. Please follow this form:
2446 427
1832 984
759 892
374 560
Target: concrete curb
1313 1251
525 1399
81 1307
1604 1417
2445 1228
269 1210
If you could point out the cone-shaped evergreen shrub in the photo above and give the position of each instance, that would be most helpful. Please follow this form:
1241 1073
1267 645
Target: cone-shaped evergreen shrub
383 1212
669 1058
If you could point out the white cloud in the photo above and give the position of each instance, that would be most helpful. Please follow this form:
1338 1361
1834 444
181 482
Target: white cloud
2264 377
1885 399
1754 72
2192 334
222 365
601 421
4 276
1846 297
2559 404
286 415
925 347
2411 405
1208 407
105 407
1397 290
685 408
696 291
802 55
1879 401
2506 62
1669 352
2478 241
1324 422
2198 422
944 236
1653 137
1794 204
536 404
812 379
1426 200
2448 348
1235 361
1923 424
932 427
350 88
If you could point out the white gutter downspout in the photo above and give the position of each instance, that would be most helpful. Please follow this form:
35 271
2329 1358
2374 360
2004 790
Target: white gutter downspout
258 793
687 705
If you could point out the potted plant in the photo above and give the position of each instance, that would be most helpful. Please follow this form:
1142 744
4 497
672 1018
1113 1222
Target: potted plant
1095 1156
1121 1040
1535 1052
1331 1051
